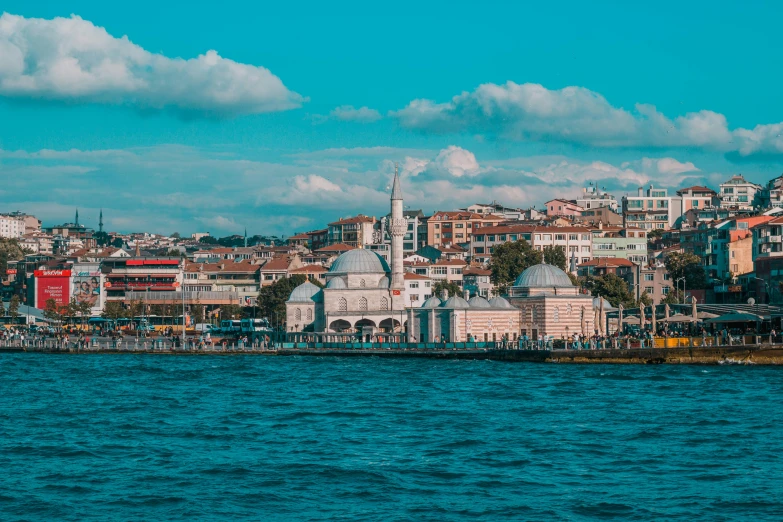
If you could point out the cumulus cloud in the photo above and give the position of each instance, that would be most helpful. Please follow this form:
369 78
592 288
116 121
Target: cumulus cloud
531 112
72 60
350 113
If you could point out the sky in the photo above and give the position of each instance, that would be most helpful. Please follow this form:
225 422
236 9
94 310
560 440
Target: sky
207 117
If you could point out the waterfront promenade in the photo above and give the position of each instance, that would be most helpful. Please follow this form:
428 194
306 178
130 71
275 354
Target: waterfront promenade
695 350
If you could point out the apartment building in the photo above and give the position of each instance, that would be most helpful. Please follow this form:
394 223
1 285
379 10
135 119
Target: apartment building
592 198
621 243
652 209
354 231
411 239
11 227
149 279
445 228
737 192
478 281
563 207
697 197
418 288
601 215
577 242
772 195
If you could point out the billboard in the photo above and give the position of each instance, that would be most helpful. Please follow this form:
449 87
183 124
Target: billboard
87 289
52 284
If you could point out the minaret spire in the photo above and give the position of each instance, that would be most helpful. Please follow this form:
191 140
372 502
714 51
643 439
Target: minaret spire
76 222
398 226
100 222
245 237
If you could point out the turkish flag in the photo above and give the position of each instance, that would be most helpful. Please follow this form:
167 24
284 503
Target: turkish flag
395 292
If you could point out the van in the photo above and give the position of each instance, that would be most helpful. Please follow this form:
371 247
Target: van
206 327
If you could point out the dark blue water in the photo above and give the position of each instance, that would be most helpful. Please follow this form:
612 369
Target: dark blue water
119 437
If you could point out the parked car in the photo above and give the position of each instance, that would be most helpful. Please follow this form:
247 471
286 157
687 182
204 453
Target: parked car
206 328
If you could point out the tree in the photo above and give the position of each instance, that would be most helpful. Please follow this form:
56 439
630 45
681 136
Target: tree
511 259
688 266
452 288
230 311
54 312
13 308
101 238
272 298
208 240
655 233
645 300
174 252
555 256
175 235
113 310
10 250
117 242
197 312
673 297
614 289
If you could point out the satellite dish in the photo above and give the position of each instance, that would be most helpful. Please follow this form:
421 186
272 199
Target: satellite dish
751 301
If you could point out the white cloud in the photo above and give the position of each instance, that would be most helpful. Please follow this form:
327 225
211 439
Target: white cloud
70 59
531 112
350 113
313 184
457 161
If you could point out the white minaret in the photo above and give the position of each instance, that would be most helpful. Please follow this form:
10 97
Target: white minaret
398 226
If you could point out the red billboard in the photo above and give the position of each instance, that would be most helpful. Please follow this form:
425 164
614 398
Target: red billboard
52 284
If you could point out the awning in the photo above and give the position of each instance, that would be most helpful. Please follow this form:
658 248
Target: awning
736 318
679 318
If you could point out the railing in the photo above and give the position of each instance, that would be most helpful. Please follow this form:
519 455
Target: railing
177 296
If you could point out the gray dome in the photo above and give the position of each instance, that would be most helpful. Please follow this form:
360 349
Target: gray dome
432 302
499 302
304 293
359 261
336 283
456 302
384 282
597 304
478 302
543 276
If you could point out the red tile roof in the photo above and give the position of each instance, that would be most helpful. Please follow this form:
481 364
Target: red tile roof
608 261
338 247
412 276
361 218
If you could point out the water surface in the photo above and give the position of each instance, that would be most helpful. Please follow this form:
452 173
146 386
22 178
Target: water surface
115 437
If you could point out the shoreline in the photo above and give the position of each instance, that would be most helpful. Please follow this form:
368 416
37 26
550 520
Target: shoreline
764 354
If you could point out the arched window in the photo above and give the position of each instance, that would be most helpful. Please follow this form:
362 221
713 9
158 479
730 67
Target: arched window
384 303
298 315
556 316
363 304
342 305
362 283
309 314
535 313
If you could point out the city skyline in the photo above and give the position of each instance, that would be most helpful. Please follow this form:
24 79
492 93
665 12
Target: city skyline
313 123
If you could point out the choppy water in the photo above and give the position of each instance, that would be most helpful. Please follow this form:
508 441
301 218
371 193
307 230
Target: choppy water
284 438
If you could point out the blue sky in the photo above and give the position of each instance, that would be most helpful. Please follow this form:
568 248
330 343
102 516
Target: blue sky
281 118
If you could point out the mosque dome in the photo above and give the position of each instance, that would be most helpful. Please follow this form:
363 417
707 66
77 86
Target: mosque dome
305 293
543 276
499 302
597 304
336 283
359 261
456 303
478 302
432 302
384 282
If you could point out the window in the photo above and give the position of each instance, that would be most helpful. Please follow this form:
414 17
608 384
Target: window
649 290
342 305
363 304
491 238
649 277
573 237
478 237
478 250
547 237
568 309
455 271
556 315
735 268
362 283
502 237
414 285
665 290
459 225
427 284
439 270
298 315
309 314
667 277
559 237
385 302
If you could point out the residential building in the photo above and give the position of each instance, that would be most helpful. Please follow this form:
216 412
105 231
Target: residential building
601 215
737 192
11 227
150 279
446 228
411 240
577 242
418 288
651 209
592 198
772 195
478 281
623 243
32 224
354 231
278 268
240 277
318 238
563 207
697 197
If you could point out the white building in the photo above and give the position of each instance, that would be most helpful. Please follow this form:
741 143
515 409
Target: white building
591 197
577 242
653 209
11 227
739 193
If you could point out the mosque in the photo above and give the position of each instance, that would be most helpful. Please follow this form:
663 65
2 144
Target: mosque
364 295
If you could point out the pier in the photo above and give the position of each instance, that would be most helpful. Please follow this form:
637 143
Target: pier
665 351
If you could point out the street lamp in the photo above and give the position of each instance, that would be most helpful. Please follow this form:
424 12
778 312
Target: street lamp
677 287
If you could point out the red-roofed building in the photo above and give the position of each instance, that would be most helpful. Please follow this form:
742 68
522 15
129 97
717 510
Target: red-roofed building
418 288
353 231
445 228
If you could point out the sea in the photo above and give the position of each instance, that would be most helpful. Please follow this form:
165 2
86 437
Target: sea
166 437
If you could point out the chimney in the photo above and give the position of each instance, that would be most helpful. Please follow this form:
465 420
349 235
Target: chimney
641 191
467 294
444 294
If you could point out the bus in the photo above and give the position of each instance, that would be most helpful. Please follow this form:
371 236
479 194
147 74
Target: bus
251 326
230 326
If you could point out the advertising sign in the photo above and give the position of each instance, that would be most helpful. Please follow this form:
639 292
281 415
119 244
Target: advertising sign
10 271
87 289
52 284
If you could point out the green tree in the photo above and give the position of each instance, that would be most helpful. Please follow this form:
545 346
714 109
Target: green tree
101 238
688 266
197 312
208 240
645 300
614 289
511 259
117 242
451 287
174 252
13 308
230 311
10 250
555 256
272 298
673 297
175 235
113 310
655 233
53 312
